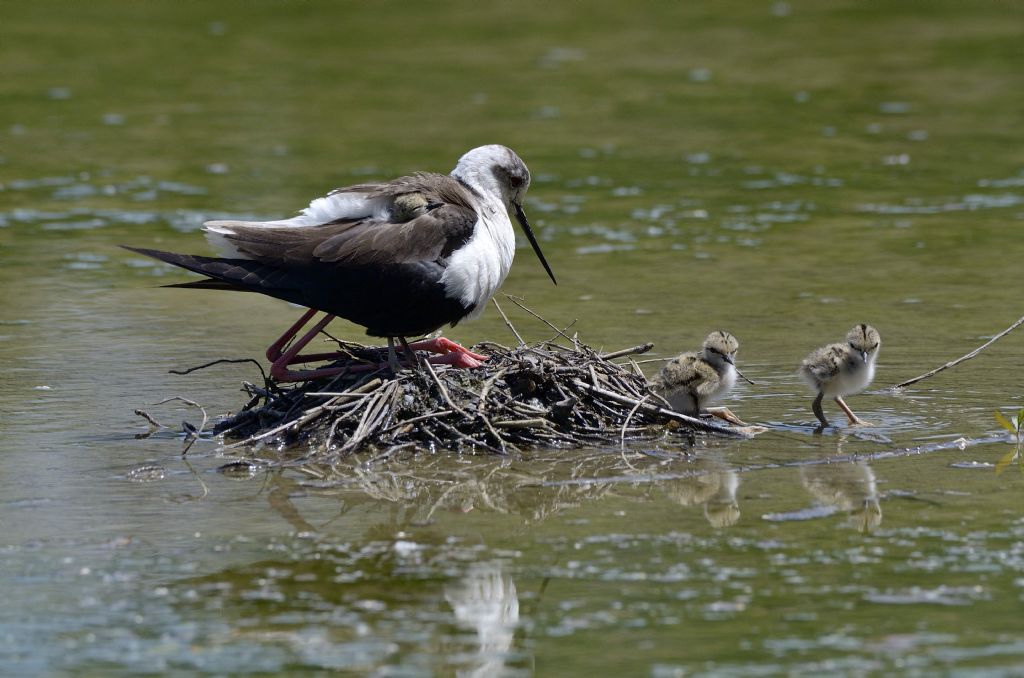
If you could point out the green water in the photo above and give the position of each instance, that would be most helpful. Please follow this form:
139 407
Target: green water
780 170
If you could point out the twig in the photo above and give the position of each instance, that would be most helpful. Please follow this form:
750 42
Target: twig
481 409
515 301
413 420
441 388
474 443
625 425
669 414
190 370
954 363
202 484
308 416
523 423
191 432
187 402
562 332
152 422
634 350
622 435
508 322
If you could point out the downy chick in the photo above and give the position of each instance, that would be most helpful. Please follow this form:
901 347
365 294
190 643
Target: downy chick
692 381
842 369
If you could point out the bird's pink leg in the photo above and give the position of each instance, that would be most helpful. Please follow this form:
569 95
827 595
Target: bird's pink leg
280 360
451 353
274 350
854 419
447 347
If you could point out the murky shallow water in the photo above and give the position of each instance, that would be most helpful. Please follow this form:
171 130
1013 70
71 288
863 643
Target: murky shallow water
726 179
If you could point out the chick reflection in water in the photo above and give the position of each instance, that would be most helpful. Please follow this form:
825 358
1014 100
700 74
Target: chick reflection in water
847 487
485 601
692 381
713 486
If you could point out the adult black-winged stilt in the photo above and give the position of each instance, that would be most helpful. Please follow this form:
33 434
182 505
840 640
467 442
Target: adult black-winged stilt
401 258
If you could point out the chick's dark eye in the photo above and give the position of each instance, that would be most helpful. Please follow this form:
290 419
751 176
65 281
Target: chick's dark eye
515 180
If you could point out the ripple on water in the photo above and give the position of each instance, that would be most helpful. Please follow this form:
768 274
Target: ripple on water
81 218
967 203
941 595
146 473
972 465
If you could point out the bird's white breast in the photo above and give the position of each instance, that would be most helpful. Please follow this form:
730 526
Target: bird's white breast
476 270
728 376
852 380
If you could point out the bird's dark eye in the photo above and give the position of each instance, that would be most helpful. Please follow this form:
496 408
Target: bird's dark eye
515 181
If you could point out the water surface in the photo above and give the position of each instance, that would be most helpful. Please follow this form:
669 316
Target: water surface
782 171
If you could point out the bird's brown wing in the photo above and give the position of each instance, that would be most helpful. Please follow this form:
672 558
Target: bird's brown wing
445 224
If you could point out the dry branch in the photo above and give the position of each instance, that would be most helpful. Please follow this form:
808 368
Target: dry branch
954 363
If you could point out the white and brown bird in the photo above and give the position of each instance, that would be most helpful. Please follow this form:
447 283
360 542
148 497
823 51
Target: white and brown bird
842 369
401 258
692 381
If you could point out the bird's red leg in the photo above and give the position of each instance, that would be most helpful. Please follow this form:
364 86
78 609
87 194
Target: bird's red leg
447 347
274 350
281 360
450 352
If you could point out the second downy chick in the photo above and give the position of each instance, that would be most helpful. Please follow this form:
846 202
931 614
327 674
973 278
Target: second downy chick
842 369
692 381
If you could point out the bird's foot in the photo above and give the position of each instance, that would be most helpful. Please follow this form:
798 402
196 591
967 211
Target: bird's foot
725 414
280 373
446 347
457 359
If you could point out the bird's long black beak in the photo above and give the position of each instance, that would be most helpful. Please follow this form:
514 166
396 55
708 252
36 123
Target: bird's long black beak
521 218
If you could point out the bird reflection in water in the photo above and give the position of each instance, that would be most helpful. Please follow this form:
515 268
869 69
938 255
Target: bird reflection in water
484 600
712 486
847 487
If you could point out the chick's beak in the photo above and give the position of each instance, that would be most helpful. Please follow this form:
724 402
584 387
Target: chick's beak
744 377
521 218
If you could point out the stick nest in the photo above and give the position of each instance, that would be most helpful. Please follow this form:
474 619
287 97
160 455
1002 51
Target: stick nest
540 395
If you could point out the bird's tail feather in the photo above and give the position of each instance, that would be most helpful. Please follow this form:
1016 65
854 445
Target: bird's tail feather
208 284
228 274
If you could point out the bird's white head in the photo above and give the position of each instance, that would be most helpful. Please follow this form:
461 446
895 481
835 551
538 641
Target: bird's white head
495 170
864 339
720 347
